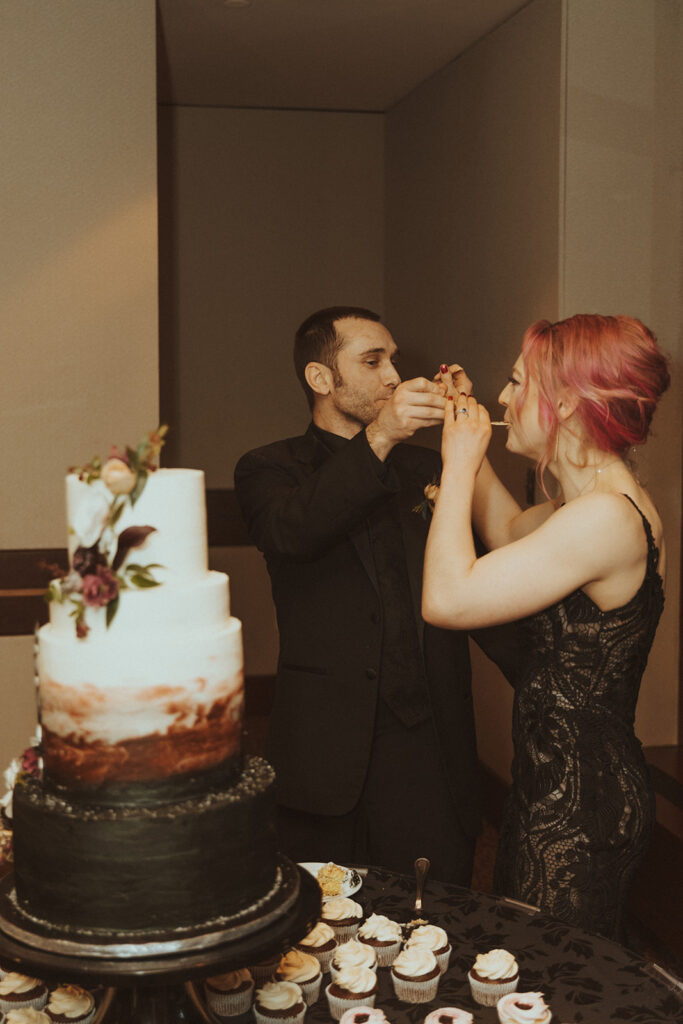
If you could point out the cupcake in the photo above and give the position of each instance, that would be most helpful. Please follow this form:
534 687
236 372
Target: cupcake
353 954
434 938
71 1004
449 1015
29 1015
304 969
493 975
229 994
17 991
321 943
353 987
343 916
264 970
523 1008
415 975
279 1001
384 935
363 1015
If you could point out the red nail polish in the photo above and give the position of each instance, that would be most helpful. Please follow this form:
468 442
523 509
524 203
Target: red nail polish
449 398
444 368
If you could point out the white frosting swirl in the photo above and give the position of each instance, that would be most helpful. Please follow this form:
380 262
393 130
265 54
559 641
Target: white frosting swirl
451 1013
354 954
319 936
373 1013
429 935
415 962
279 995
298 966
27 1015
341 907
356 979
229 981
17 984
496 964
381 928
523 1008
71 1001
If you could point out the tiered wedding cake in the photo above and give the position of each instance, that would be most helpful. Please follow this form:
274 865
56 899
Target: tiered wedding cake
146 817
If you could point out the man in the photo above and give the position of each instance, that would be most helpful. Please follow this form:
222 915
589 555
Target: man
372 730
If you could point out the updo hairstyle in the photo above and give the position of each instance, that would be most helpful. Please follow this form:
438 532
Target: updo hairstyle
612 364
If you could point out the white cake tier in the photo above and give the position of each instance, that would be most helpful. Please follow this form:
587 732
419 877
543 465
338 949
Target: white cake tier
172 502
112 688
201 604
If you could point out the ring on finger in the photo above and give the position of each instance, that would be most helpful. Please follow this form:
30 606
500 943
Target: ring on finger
463 410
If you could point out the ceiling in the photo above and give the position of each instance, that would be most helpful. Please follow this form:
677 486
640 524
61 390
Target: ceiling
313 54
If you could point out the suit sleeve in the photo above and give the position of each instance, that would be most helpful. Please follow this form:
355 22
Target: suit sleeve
295 516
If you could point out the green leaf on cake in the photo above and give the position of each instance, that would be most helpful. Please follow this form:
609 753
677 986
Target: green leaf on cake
112 609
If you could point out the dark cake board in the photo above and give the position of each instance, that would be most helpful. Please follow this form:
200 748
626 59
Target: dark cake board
278 930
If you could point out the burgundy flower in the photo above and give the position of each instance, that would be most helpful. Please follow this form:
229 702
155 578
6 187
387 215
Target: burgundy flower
100 588
86 560
29 761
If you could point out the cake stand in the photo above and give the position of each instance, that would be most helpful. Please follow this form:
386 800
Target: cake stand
154 981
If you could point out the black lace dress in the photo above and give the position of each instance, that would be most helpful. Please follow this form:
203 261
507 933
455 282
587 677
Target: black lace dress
581 811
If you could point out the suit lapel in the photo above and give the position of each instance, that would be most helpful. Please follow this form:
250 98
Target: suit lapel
414 529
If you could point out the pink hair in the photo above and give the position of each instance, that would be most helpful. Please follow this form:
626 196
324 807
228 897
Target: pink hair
612 364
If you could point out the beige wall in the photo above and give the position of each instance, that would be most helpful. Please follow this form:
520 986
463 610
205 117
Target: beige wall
274 214
78 267
472 237
622 240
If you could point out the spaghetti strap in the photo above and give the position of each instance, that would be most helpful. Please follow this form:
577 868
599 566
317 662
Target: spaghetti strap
652 548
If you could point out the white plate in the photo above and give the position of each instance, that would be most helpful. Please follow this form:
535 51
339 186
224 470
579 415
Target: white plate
349 885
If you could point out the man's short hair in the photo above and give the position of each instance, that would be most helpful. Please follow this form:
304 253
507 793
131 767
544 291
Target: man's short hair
317 341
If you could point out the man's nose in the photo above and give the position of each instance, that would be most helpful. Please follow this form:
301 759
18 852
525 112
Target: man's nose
392 377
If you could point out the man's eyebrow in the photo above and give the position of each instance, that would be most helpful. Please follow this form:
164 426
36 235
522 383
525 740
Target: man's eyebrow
379 350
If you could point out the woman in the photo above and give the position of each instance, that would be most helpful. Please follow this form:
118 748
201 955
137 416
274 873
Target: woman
585 572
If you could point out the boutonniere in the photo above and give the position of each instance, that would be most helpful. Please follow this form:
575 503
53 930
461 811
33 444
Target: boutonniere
426 506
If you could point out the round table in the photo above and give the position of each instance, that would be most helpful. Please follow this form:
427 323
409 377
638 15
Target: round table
584 978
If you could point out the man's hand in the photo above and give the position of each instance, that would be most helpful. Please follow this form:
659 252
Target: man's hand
414 404
454 379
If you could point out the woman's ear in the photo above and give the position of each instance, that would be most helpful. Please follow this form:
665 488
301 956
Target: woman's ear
566 406
319 378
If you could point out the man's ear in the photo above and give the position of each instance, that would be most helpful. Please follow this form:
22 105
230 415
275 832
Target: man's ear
566 406
319 378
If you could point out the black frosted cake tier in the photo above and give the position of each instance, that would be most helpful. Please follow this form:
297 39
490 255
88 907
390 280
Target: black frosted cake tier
145 871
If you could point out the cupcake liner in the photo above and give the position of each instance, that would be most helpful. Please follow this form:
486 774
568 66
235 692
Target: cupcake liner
261 973
311 989
38 1002
294 1018
323 956
488 993
442 959
229 1004
412 990
385 954
338 1006
334 971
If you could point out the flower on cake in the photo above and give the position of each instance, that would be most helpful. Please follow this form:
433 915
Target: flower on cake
29 763
99 571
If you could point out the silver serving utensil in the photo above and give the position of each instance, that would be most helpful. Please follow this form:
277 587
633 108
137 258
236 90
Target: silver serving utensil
421 869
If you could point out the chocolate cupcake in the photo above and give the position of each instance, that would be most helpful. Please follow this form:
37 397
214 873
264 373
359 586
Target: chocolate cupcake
415 975
264 970
353 986
320 943
304 970
493 974
353 954
384 936
71 1004
231 993
343 916
434 938
18 991
280 1001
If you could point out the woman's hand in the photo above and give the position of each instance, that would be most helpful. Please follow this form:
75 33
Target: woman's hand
466 435
454 380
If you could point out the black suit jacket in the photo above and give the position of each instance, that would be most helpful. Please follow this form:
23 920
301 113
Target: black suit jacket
305 509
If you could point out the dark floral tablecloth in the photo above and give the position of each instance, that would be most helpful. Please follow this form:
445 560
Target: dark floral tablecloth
584 978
